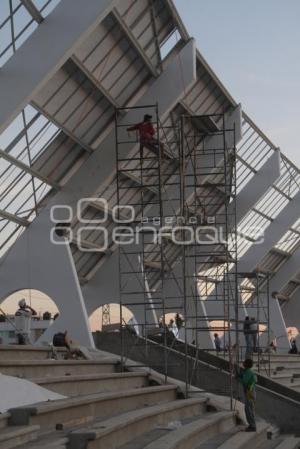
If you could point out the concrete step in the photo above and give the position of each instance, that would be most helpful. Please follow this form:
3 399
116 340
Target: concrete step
54 368
283 442
289 443
55 440
269 443
16 436
84 409
247 440
281 376
119 430
17 352
146 438
285 374
155 434
277 370
217 440
4 420
94 383
201 430
288 363
290 382
285 366
265 356
284 380
290 358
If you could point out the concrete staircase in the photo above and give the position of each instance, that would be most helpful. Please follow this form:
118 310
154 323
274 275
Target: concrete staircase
110 409
284 369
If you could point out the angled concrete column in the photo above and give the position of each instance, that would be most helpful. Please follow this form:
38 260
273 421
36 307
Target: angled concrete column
291 309
35 263
104 289
278 325
275 230
287 271
257 186
45 51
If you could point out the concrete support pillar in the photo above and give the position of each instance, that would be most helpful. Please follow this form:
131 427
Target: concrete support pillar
290 269
104 289
34 262
276 229
291 311
257 186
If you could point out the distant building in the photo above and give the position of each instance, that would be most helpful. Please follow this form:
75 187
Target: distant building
8 333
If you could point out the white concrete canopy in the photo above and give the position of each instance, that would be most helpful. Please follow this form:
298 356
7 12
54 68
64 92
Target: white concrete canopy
286 273
285 219
291 308
257 186
45 51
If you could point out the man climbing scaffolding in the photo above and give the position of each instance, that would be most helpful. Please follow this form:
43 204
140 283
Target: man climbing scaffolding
146 136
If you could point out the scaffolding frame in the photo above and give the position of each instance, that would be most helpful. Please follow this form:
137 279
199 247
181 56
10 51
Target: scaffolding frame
188 189
213 181
254 299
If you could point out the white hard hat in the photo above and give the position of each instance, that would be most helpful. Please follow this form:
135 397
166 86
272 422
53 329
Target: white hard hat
22 302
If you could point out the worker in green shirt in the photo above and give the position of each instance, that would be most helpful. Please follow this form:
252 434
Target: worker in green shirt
248 379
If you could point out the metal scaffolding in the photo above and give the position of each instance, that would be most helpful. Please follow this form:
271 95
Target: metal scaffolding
209 197
254 300
176 201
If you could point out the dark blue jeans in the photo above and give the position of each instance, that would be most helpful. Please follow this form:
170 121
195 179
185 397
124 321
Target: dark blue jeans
249 342
250 412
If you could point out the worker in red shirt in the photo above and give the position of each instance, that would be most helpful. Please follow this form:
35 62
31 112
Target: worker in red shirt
146 135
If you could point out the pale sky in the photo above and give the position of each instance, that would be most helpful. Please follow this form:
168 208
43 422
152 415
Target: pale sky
254 48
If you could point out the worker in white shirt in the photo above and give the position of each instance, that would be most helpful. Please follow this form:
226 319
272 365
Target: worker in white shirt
23 322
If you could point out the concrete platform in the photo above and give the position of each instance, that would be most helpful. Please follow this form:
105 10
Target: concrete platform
78 385
17 352
18 435
49 368
119 430
188 436
84 409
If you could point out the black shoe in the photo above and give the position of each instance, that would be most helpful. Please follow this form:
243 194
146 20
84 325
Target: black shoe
250 429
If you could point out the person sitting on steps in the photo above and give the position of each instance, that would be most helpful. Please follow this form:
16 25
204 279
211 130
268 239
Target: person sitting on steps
61 340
